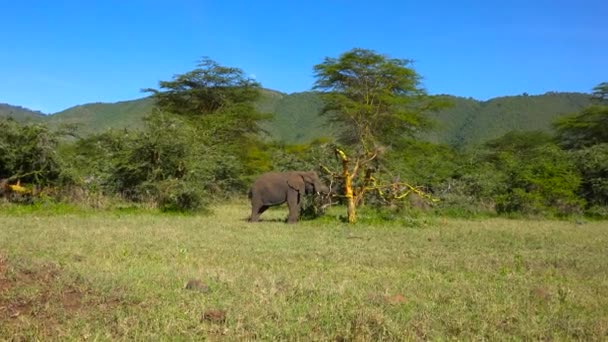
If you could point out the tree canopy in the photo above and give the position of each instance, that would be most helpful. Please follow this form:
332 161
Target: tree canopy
588 128
29 153
600 92
377 98
207 89
219 102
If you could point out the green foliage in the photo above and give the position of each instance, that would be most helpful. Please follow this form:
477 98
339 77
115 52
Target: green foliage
469 184
586 134
157 154
28 152
303 157
600 92
519 142
540 179
588 128
422 163
207 89
377 99
91 159
179 195
157 164
521 173
218 103
592 162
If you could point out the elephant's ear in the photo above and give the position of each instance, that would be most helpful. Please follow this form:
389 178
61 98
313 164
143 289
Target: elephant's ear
309 177
296 182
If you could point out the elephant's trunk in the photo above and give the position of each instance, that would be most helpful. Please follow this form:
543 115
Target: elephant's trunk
321 188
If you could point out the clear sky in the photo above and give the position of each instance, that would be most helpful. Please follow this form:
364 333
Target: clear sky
56 54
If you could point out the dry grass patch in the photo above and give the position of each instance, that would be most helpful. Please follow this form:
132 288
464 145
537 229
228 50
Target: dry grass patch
220 277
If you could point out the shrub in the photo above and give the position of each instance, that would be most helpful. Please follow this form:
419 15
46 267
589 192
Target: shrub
543 181
28 152
592 162
180 196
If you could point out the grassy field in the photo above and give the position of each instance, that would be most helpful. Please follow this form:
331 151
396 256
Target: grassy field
147 276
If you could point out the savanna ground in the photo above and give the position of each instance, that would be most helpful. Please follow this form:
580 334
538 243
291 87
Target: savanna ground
138 275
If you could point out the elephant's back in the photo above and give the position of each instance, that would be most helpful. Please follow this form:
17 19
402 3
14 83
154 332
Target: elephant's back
271 188
270 178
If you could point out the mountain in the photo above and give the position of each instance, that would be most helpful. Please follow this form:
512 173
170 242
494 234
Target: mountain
98 117
296 119
469 121
19 113
465 123
296 116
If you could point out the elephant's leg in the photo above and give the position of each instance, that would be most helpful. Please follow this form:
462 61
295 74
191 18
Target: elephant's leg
256 210
263 209
293 202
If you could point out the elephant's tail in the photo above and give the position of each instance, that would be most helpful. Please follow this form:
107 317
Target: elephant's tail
250 194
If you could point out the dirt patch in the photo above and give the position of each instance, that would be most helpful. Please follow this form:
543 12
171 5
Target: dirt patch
395 300
541 294
4 283
30 291
45 297
380 299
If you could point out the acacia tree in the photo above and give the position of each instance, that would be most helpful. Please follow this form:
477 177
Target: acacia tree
379 101
28 153
600 92
205 89
590 126
219 102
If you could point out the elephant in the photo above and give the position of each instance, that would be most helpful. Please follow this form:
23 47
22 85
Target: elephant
275 188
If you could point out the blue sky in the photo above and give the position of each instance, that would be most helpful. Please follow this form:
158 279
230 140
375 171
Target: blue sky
58 54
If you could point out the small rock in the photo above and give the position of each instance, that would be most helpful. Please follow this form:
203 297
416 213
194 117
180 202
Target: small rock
197 285
215 316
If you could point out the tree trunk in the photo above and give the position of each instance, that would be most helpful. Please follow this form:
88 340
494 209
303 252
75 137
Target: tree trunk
350 198
351 211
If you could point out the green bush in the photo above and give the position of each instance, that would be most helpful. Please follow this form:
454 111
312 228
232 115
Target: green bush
28 153
541 180
592 162
179 196
597 212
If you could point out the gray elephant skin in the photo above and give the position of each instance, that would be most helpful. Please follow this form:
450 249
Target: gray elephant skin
275 188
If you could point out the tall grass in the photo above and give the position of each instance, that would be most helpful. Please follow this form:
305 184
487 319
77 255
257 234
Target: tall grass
317 280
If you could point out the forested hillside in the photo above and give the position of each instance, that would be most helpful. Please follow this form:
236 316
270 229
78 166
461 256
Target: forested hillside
297 119
470 121
98 117
296 116
19 113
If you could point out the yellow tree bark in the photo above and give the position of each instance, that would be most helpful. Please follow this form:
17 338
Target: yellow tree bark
351 211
